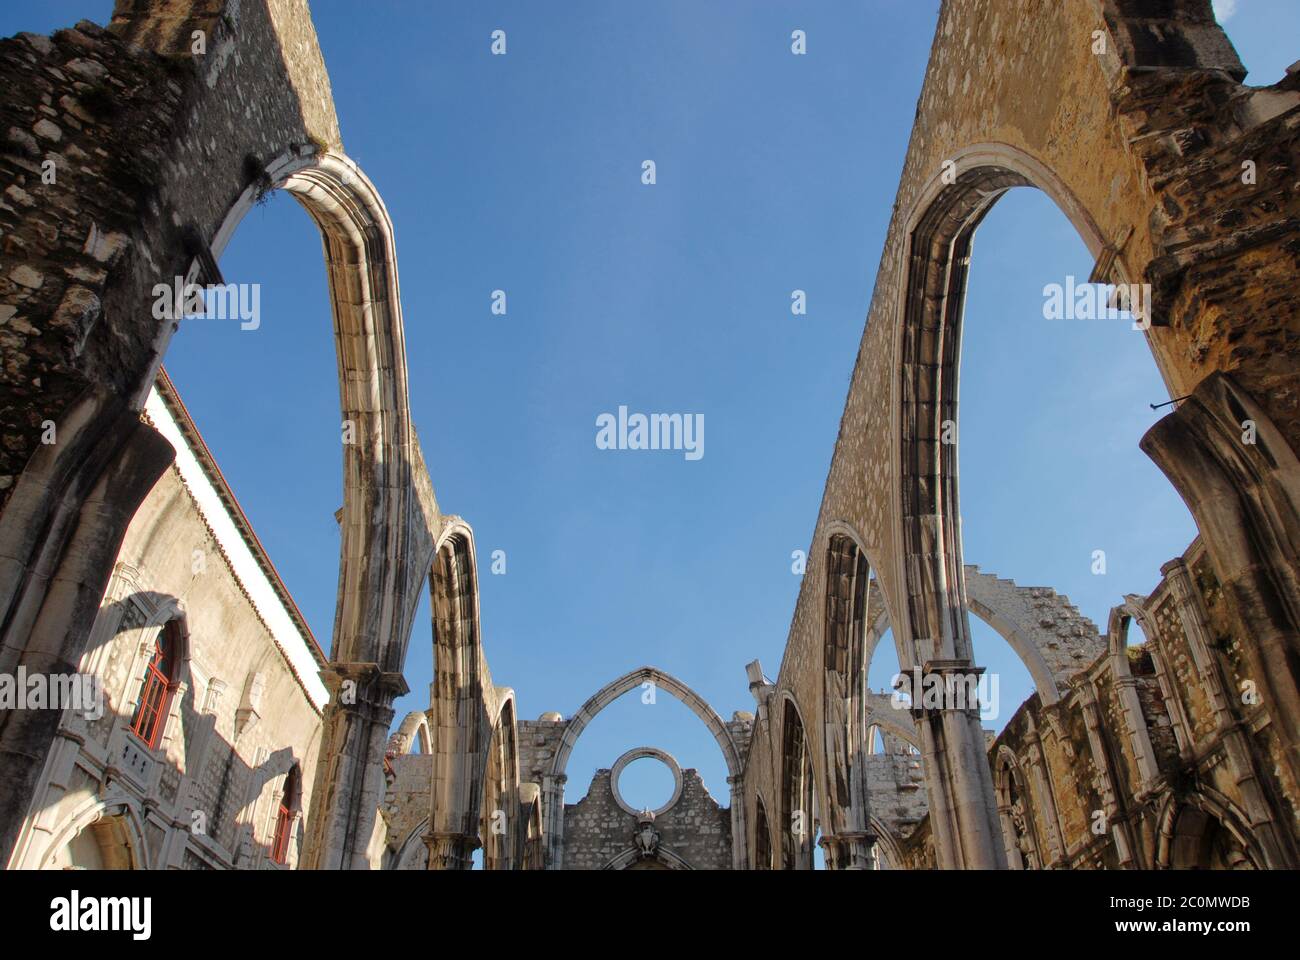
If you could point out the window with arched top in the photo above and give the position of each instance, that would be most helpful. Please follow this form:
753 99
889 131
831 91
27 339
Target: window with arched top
288 812
762 838
160 680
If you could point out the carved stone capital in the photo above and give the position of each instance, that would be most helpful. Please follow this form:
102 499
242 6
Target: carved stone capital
451 851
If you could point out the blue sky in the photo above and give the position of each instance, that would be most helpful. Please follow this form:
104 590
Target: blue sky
774 173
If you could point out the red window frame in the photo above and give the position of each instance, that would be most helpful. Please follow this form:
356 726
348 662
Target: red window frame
284 819
155 700
283 826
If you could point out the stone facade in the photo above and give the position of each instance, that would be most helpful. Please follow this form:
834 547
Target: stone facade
1160 755
1130 114
244 712
1132 117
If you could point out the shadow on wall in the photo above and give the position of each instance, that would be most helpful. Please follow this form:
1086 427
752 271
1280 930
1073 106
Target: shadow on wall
149 777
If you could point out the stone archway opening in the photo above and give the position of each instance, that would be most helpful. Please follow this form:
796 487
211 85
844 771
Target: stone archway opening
258 373
105 844
798 825
1197 838
653 685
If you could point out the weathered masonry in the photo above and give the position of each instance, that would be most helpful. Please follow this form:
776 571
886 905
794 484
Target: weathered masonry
230 740
1131 116
159 151
210 720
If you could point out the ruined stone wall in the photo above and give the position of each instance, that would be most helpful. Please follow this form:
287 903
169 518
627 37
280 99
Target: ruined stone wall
1141 143
1088 800
85 120
150 150
696 828
404 816
1223 161
896 785
538 741
247 707
1037 620
172 124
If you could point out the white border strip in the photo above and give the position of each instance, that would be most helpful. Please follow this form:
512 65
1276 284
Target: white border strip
264 595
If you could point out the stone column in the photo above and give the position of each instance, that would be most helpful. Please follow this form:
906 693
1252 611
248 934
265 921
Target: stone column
1143 753
345 796
553 819
739 835
451 851
1101 761
959 783
849 850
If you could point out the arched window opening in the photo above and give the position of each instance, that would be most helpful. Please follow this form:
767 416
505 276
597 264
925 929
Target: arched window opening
876 741
1017 819
160 678
1141 655
848 586
285 817
1202 841
105 844
798 810
762 838
883 667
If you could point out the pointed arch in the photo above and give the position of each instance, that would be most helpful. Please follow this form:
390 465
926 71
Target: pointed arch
843 703
762 834
798 817
499 821
459 723
413 732
662 681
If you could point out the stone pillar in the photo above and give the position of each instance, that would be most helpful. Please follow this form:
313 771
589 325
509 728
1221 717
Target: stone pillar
553 819
1143 753
849 850
739 835
1115 816
959 782
451 851
346 794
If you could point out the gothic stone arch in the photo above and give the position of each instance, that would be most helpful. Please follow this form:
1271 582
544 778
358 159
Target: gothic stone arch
1154 100
460 724
553 785
798 816
500 819
109 833
1049 635
846 836
186 163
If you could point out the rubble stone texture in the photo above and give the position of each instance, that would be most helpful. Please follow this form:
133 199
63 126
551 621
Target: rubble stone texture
1183 752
